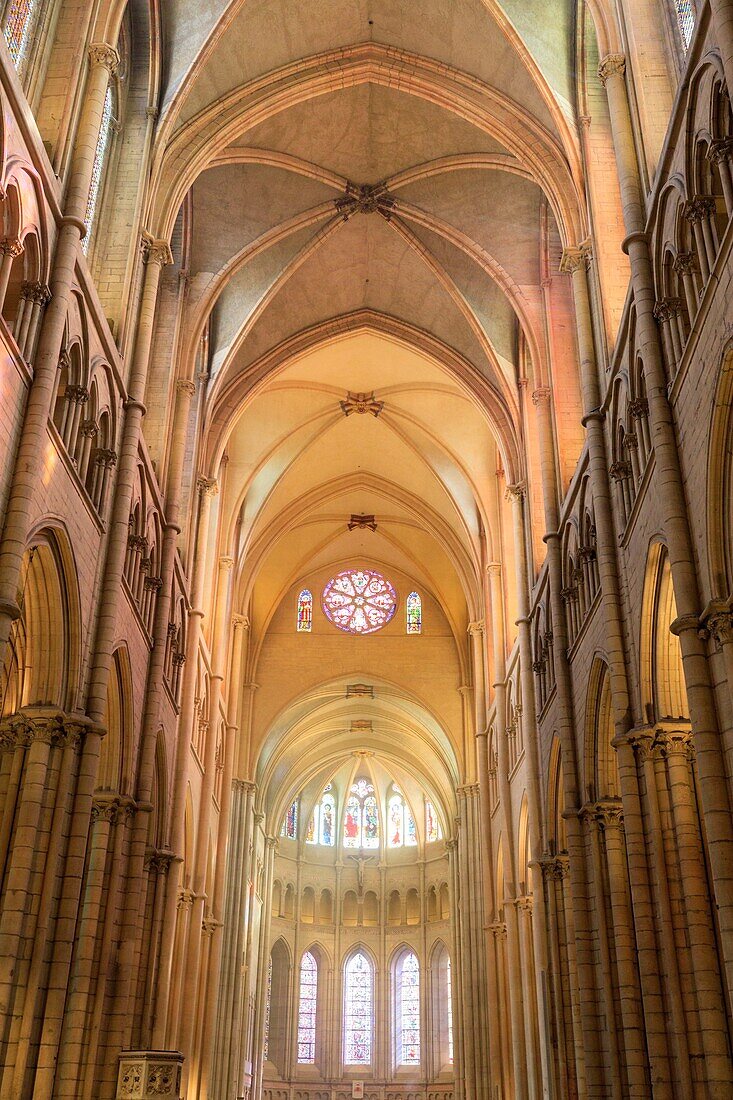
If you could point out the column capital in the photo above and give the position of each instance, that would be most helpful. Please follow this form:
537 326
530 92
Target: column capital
541 396
186 386
722 149
609 813
684 263
100 53
11 246
493 568
498 929
699 208
674 742
156 251
575 258
476 629
241 621
226 562
525 903
207 486
718 621
613 64
515 493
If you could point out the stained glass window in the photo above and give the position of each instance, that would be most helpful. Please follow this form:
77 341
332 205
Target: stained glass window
307 1010
305 611
449 1009
100 156
289 828
268 1004
359 601
413 611
401 831
408 1021
685 20
433 830
361 817
20 23
358 994
321 825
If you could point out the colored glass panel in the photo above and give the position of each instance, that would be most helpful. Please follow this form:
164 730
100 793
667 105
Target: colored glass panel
413 611
289 827
19 26
100 156
433 830
305 611
328 815
307 1006
359 601
409 1021
358 996
311 836
396 822
685 20
352 823
410 830
370 830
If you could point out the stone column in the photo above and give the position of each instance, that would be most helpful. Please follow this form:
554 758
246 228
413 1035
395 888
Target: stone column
262 965
516 494
103 60
673 506
164 1028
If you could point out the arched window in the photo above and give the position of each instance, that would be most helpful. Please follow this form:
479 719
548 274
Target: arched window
407 1014
413 612
307 1007
361 818
449 1009
685 12
441 1010
433 831
321 825
100 159
401 830
289 827
305 611
20 25
358 1011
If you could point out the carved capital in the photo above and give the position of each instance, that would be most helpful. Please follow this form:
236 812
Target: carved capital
156 251
185 899
613 64
498 930
476 629
106 56
106 810
11 246
684 263
515 493
541 396
89 429
719 150
153 584
609 814
720 625
185 386
76 395
105 456
639 408
699 208
575 259
587 553
207 486
619 471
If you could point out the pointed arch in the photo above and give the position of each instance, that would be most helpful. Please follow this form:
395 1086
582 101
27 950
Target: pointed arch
358 1013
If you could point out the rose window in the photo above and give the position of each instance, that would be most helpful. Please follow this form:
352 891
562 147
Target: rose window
359 601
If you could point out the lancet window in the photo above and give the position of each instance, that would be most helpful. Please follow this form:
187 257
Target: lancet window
305 611
307 1010
361 818
322 825
358 1010
433 830
408 1011
401 830
413 612
289 827
685 11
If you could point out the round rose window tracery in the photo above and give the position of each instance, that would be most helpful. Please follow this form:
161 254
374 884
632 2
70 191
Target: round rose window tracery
359 601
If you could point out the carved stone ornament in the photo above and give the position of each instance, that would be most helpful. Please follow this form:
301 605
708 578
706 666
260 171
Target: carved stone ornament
359 690
185 386
149 1074
575 259
102 54
362 522
365 198
613 64
11 246
361 403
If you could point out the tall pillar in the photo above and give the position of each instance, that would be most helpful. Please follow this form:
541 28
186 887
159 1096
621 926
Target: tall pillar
673 506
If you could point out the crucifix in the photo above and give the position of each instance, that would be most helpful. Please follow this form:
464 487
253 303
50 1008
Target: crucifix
360 862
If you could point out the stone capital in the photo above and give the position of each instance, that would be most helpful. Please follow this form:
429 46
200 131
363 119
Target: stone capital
11 246
575 258
722 149
207 486
155 251
541 396
684 263
100 53
515 493
476 629
105 456
718 621
699 208
639 408
186 386
613 64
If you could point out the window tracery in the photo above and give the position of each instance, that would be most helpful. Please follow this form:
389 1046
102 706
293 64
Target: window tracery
361 818
359 601
358 1011
307 1010
401 830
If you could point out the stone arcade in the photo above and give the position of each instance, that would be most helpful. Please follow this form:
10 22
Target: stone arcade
366 550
